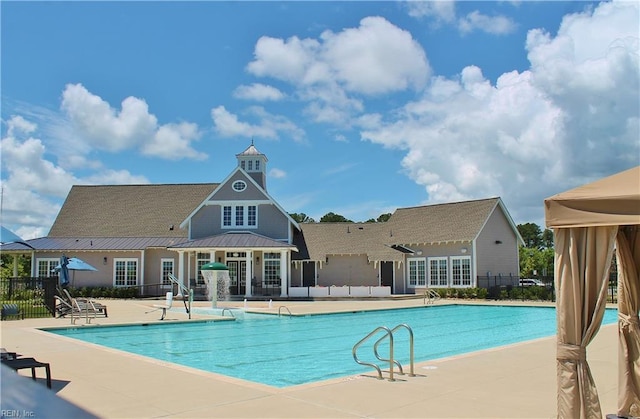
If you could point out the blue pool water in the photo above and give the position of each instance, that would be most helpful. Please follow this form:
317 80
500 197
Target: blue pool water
285 351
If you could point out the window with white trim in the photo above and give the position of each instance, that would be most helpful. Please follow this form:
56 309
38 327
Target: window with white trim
202 258
438 275
166 267
417 274
250 167
271 268
46 267
257 165
239 185
125 273
242 164
461 271
252 215
226 216
234 216
239 216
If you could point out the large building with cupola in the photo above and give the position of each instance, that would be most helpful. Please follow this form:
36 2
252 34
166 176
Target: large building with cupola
136 235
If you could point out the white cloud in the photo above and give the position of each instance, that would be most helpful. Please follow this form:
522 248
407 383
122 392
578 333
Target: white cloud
33 186
331 72
377 57
496 25
173 142
441 11
133 126
258 92
444 12
569 119
269 126
277 173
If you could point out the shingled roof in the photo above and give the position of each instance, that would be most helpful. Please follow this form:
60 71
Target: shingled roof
440 223
427 224
324 239
128 210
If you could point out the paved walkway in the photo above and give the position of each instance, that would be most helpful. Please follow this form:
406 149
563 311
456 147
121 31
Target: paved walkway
517 381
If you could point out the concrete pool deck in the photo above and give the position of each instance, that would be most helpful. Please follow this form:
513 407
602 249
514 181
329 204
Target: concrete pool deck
516 381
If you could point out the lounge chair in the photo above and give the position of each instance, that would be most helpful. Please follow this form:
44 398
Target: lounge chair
167 304
11 310
86 304
21 363
76 308
4 354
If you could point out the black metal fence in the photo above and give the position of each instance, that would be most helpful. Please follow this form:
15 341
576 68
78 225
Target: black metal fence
34 297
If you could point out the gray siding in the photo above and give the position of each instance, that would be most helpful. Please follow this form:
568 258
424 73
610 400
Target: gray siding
502 258
272 222
206 222
225 192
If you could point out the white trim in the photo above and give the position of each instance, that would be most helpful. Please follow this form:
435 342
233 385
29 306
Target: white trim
115 262
219 187
471 276
172 272
426 270
448 273
51 262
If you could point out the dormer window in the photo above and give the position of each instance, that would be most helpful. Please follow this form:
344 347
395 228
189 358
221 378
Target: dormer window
239 185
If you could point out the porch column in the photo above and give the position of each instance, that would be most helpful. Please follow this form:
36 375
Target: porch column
284 273
247 276
181 267
15 265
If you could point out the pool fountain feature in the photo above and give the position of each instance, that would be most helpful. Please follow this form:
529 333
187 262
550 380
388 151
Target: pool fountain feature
216 276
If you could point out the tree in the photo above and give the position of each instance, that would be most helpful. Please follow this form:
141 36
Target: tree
547 239
531 235
24 266
384 217
381 218
331 217
301 218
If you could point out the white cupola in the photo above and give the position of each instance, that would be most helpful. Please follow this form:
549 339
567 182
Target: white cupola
255 164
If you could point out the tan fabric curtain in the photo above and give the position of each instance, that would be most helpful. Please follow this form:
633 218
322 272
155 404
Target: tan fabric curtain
583 257
628 251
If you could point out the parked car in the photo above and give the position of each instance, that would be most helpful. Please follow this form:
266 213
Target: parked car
531 282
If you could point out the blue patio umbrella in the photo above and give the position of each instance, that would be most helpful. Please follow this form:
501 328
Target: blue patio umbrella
8 236
71 264
63 270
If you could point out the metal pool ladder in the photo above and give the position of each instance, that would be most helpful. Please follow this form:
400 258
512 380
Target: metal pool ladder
229 310
285 307
432 295
388 333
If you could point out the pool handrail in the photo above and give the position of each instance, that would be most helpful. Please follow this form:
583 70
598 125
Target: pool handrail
411 363
364 339
432 295
229 310
281 307
181 289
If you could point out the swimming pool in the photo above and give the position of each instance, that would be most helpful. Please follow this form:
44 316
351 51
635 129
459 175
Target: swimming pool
285 351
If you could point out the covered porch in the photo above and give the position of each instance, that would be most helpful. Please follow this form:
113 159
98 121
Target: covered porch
258 266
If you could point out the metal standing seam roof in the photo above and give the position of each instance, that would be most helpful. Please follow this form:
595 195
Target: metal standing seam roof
128 210
94 243
242 240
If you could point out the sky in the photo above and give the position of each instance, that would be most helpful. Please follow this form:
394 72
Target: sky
360 107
